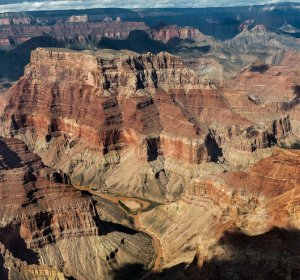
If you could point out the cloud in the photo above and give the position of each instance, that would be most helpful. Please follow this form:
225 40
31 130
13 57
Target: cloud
34 5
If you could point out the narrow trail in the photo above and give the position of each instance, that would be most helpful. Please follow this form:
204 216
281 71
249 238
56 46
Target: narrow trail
137 222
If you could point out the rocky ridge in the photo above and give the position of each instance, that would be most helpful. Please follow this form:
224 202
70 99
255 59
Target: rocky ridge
234 210
80 34
259 38
281 95
148 109
152 126
167 33
50 229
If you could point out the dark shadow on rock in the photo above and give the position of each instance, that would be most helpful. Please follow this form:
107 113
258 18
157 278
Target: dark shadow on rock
273 255
133 271
296 100
177 45
137 41
204 49
259 68
14 61
10 158
213 149
106 227
70 278
160 25
296 146
152 148
3 270
12 240
6 85
137 272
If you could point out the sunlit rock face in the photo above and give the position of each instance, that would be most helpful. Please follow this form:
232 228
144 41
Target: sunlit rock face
167 33
50 229
134 124
207 135
276 87
230 218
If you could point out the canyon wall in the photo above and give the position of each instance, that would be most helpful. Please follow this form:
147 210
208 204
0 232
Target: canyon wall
94 114
241 216
167 33
80 34
50 229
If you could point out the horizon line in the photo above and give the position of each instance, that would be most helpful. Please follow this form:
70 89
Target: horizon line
131 8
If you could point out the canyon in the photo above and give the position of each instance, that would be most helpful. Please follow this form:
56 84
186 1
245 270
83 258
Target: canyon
153 128
251 203
131 104
79 34
50 229
136 149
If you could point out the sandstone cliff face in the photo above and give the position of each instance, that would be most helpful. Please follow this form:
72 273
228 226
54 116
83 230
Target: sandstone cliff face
256 188
82 18
259 37
5 21
167 33
238 214
79 34
51 230
15 21
280 95
94 114
266 223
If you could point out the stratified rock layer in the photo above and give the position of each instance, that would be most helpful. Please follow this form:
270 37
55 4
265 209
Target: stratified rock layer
167 33
275 87
235 221
49 229
135 124
81 33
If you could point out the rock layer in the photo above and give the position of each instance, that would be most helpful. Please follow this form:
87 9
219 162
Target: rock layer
80 34
167 33
238 213
49 229
106 111
279 95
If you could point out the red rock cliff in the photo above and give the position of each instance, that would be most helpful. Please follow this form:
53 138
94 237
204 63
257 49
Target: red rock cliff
81 110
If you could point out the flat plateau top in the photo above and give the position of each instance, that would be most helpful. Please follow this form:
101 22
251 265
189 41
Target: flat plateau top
103 53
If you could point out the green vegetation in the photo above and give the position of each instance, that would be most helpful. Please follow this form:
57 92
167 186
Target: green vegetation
127 209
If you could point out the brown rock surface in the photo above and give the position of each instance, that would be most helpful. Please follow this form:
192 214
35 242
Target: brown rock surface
150 126
251 205
80 18
80 33
170 32
280 94
52 230
181 171
144 122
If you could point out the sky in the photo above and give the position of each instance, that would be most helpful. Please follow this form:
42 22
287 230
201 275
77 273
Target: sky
31 5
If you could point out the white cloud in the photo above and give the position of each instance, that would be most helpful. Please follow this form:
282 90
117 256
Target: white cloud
33 5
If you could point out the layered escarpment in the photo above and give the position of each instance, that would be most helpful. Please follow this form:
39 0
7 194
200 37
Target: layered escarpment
258 38
48 228
147 119
80 33
265 200
237 212
280 94
167 33
272 179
